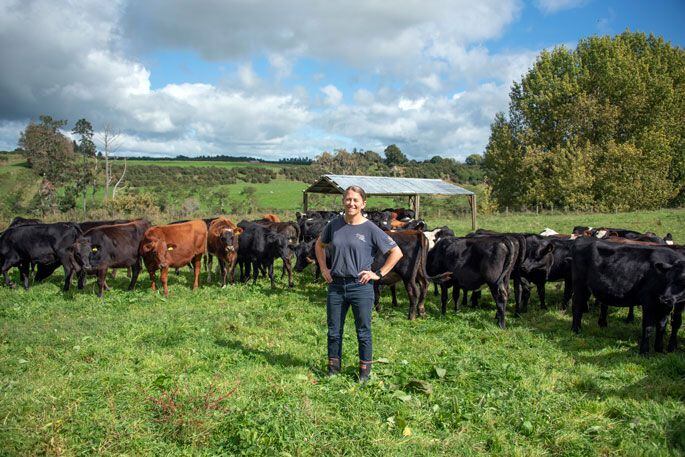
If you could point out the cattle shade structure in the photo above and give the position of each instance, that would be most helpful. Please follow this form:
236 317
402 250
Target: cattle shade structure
386 186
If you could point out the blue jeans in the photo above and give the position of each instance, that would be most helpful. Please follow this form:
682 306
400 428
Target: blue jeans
343 293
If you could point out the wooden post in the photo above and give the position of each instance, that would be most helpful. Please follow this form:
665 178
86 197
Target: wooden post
417 205
305 201
472 202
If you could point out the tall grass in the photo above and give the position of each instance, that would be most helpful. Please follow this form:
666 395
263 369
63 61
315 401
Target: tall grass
241 370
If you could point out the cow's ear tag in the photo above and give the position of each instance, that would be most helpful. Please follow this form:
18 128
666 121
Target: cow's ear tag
170 248
94 250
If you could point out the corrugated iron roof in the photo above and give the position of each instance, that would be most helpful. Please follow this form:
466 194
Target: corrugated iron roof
382 185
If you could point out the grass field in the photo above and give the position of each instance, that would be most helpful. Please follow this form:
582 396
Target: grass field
241 370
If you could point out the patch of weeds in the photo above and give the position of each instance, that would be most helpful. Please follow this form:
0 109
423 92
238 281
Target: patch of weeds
188 416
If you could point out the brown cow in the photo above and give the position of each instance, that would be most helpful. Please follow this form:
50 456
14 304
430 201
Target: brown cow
222 241
173 246
271 217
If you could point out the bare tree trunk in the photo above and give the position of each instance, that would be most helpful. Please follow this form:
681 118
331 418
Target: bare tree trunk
109 139
114 191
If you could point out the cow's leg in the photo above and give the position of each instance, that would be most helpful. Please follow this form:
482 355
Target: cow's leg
68 274
568 292
580 297
208 266
289 268
271 275
500 295
518 294
5 269
234 259
676 322
153 281
464 295
377 296
443 298
81 279
661 322
102 273
603 311
197 265
435 289
411 293
255 273
164 276
223 271
135 271
647 330
422 289
540 286
475 297
393 294
631 314
455 297
113 273
24 271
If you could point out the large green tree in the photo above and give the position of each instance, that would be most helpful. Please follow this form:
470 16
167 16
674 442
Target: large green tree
47 150
601 126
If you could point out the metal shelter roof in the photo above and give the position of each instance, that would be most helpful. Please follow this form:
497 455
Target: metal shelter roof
381 185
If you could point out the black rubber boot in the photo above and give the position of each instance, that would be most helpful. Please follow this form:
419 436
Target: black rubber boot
364 371
333 366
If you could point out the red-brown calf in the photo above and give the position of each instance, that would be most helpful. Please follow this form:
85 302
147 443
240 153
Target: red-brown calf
222 241
174 246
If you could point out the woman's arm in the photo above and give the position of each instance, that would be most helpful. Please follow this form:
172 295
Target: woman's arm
394 256
319 249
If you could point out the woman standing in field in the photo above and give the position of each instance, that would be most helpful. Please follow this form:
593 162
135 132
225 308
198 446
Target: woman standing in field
354 241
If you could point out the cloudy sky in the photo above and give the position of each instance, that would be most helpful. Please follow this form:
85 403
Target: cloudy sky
292 78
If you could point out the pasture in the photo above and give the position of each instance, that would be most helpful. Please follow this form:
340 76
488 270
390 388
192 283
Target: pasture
241 370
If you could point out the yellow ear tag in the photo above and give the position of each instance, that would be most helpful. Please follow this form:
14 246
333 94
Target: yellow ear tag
94 249
170 248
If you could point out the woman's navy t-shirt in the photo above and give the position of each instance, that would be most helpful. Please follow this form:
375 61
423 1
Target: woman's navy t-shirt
354 246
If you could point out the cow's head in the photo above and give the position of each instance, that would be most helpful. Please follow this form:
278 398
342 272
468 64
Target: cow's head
87 254
157 251
674 275
540 260
303 256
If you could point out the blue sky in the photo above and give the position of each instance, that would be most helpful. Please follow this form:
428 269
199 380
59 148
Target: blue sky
292 78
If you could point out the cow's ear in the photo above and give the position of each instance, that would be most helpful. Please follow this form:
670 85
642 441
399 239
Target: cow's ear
238 231
662 267
547 249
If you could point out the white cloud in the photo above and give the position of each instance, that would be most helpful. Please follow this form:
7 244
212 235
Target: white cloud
553 6
333 95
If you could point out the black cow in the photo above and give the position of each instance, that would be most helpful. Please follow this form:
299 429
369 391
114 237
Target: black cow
18 221
47 245
258 247
620 275
110 246
380 218
474 262
311 223
411 270
305 254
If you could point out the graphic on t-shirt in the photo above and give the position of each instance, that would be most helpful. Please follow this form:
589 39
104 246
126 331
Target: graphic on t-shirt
360 237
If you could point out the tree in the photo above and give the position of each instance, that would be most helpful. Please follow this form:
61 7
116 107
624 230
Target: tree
394 156
86 148
48 152
474 160
109 139
613 102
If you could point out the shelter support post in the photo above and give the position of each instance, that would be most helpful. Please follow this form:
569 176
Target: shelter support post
472 203
417 206
305 201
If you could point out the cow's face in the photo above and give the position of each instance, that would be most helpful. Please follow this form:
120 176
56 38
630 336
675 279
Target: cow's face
674 275
87 254
539 261
302 257
157 251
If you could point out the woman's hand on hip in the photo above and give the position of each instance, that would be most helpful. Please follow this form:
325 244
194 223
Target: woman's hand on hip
326 273
366 276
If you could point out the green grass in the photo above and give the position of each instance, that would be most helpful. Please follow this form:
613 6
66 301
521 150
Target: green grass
241 370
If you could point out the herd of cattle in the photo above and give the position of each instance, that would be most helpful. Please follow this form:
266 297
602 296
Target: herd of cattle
618 267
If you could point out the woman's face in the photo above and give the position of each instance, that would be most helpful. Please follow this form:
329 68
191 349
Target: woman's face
353 203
